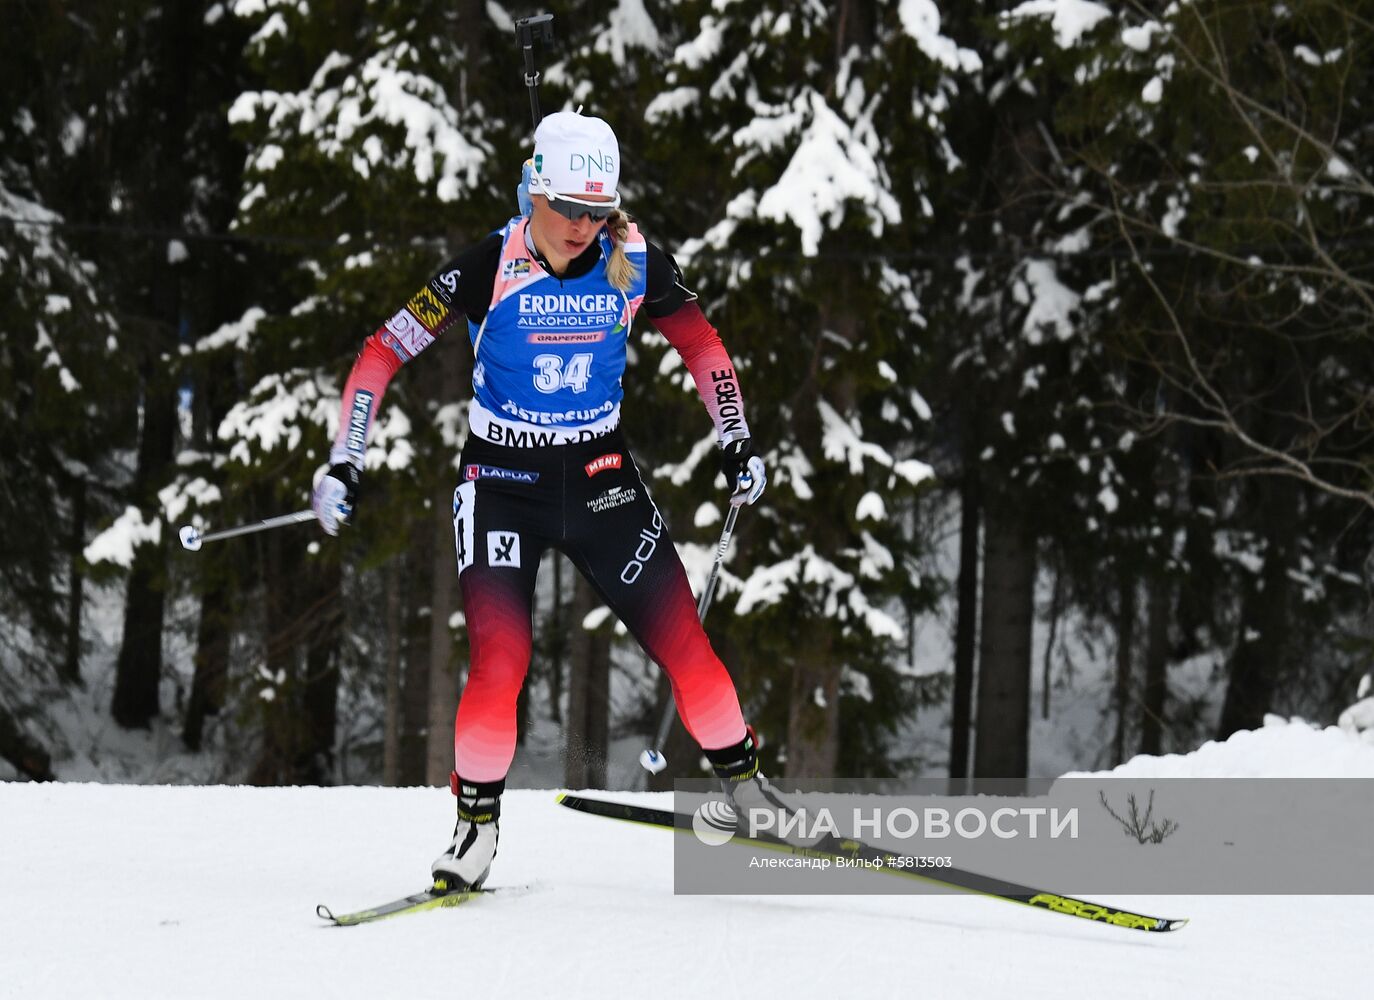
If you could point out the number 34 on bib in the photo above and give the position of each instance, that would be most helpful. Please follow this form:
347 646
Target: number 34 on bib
554 374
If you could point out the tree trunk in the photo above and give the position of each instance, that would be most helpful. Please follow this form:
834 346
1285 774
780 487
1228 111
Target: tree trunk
586 730
217 582
281 724
966 626
1263 643
323 620
211 659
316 764
1125 648
1047 662
853 26
443 665
449 373
1156 690
391 727
303 620
415 681
71 665
138 669
1195 615
28 758
1002 743
813 717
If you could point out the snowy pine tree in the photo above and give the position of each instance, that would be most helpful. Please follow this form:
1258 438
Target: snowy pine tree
790 126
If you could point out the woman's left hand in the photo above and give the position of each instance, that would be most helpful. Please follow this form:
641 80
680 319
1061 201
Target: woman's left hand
744 471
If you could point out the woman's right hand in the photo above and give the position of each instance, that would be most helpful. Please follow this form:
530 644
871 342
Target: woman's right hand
335 495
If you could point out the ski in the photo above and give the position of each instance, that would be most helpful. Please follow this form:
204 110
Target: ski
437 896
888 863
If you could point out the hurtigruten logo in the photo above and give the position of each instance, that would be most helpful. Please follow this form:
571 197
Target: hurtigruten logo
616 496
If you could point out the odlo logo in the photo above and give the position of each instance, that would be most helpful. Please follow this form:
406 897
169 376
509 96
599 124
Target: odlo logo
714 822
447 284
644 551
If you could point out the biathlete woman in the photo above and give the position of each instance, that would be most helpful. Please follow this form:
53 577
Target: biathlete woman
549 301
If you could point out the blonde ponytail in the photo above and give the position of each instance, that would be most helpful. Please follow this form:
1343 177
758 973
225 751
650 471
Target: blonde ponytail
620 271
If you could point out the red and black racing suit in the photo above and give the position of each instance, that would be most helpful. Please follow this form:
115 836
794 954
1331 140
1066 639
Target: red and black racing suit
586 499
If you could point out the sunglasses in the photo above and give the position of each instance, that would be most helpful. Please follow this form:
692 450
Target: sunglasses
574 210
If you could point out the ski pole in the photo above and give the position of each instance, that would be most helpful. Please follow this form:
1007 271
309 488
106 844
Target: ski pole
192 539
709 593
651 758
538 27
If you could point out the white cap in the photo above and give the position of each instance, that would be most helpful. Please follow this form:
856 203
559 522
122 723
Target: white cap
575 156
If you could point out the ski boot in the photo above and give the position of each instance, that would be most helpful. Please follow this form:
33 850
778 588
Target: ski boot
746 788
467 861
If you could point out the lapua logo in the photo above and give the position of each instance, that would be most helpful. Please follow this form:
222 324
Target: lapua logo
604 462
472 472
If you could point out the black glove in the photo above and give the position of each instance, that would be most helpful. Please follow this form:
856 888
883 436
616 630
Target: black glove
744 471
334 496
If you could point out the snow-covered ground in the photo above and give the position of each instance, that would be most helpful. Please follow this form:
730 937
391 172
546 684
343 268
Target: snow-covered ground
119 891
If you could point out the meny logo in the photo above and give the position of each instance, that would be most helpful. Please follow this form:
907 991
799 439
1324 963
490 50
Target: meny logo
604 462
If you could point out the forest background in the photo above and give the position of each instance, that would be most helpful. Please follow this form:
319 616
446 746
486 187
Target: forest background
1053 322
